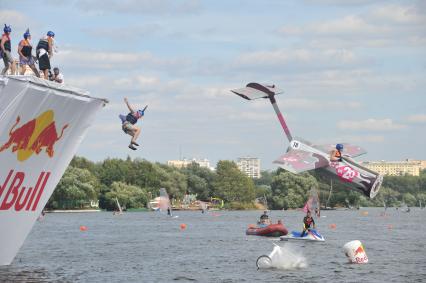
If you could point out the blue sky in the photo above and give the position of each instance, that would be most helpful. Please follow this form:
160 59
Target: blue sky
352 71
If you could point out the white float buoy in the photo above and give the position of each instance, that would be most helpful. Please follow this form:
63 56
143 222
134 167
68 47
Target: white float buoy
355 252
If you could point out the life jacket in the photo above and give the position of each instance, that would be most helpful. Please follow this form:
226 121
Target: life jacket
131 119
7 43
43 44
308 221
26 49
337 154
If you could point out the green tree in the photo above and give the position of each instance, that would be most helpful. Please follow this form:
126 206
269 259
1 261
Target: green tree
83 163
200 180
409 199
198 186
290 190
129 196
265 179
114 170
75 190
232 185
173 181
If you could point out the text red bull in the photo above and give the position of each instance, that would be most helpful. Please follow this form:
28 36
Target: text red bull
20 195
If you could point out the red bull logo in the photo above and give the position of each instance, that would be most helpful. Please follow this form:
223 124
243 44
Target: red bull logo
34 136
360 255
359 250
20 196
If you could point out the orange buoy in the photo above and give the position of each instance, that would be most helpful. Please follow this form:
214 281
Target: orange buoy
365 213
183 226
332 226
83 228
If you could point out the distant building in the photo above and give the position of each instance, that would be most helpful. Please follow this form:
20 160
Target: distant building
185 162
250 166
396 168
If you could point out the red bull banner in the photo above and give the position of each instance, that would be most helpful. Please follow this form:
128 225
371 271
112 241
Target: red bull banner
41 126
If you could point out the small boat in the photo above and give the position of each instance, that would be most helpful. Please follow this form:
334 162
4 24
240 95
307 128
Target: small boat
310 235
272 230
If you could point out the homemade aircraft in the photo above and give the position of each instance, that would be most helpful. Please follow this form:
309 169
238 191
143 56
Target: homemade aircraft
303 156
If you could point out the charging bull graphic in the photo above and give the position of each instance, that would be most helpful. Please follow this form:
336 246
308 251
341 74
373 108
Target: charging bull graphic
303 156
34 136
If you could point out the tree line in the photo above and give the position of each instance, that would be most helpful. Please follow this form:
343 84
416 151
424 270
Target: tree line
134 182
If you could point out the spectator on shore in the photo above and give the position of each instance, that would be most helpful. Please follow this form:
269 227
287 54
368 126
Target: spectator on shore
25 54
56 76
44 52
5 50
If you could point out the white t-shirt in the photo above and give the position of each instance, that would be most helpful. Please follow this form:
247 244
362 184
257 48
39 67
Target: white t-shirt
61 77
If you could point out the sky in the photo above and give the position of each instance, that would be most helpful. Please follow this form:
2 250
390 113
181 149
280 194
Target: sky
352 71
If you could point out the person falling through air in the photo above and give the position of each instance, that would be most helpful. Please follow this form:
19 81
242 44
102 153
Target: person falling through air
129 121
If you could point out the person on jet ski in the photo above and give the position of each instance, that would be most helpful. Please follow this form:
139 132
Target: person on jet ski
307 222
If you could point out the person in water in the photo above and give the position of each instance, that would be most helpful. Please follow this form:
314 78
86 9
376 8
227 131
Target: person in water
5 51
44 52
129 122
25 54
169 211
264 219
336 154
307 222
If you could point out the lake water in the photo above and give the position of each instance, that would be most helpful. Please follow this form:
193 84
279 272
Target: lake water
151 247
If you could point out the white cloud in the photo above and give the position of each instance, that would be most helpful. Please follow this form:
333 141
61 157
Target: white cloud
117 60
417 118
319 105
346 26
342 3
149 7
18 21
364 139
304 57
126 33
370 124
353 139
384 26
412 14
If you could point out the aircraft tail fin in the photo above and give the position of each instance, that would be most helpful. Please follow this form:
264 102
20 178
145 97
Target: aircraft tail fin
255 91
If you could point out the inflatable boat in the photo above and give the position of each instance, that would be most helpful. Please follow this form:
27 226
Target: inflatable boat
272 230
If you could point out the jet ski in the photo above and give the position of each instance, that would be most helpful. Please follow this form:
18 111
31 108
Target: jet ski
310 235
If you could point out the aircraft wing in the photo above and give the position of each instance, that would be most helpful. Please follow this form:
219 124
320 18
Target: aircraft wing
297 161
348 149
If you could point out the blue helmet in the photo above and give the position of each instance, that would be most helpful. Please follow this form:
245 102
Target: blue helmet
339 146
27 33
141 113
7 29
50 33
